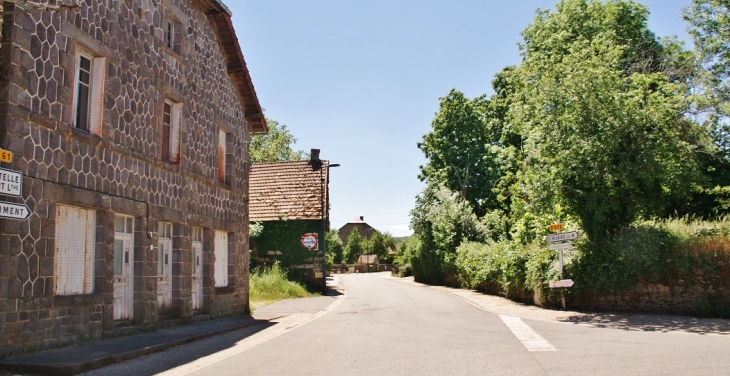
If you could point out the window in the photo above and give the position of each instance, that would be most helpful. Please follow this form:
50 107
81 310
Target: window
89 95
221 259
164 233
171 119
222 137
123 228
173 34
75 243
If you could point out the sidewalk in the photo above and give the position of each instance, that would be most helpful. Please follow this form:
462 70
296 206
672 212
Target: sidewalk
82 358
615 320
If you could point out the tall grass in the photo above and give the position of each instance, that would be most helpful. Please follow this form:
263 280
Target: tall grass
269 285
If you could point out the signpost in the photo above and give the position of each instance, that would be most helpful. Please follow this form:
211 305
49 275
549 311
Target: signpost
561 283
562 236
6 156
14 211
310 241
11 183
559 242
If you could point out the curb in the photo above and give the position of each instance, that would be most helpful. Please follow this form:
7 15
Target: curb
73 369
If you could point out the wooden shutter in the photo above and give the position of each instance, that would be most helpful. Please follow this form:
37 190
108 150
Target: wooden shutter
88 252
176 124
222 156
221 259
75 244
96 99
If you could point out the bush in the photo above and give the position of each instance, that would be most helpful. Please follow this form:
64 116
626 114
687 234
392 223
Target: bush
268 285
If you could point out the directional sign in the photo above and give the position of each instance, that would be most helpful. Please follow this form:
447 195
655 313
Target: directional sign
557 246
562 236
6 156
310 241
14 211
556 227
561 283
11 182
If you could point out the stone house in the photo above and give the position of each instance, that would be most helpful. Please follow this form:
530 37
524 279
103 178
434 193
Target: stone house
129 122
286 197
365 230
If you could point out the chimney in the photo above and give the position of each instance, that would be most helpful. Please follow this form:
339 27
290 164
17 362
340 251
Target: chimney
362 218
314 156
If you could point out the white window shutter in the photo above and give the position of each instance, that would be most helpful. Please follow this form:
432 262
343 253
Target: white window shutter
222 156
89 252
96 98
221 259
61 249
175 125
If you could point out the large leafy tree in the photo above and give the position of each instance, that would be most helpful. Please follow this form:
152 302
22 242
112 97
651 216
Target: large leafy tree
462 150
709 22
275 146
334 246
604 131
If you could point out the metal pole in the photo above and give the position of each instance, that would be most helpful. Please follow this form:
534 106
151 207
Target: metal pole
323 240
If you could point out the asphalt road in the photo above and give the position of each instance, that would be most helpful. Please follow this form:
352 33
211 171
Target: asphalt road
382 326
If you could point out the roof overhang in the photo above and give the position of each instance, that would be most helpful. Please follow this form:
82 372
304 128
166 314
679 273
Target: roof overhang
220 17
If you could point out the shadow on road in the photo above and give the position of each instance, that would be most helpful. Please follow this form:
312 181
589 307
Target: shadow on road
651 323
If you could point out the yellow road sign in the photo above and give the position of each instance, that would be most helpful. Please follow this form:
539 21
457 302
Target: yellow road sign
556 227
6 156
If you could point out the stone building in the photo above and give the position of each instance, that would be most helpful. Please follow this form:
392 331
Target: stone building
365 230
129 122
287 198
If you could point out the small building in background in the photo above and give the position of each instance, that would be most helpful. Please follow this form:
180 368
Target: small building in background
365 230
286 197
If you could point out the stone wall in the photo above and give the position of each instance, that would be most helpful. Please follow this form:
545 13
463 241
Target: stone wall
121 171
679 298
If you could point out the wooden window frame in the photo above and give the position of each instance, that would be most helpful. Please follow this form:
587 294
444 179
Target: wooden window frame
88 104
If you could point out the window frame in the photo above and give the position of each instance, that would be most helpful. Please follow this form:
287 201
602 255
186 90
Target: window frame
94 100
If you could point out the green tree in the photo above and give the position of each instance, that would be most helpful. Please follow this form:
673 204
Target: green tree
380 243
334 246
461 150
355 246
709 28
275 146
603 126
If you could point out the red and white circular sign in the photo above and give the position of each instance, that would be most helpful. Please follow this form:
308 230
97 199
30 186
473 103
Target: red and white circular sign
309 241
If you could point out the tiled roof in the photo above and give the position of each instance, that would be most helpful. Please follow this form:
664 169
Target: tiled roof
220 18
286 190
367 259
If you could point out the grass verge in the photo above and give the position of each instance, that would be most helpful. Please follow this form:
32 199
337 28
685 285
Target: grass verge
269 285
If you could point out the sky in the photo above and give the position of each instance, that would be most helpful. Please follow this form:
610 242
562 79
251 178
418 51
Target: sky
361 81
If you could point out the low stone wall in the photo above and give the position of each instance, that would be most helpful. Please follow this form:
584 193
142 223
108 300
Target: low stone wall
680 297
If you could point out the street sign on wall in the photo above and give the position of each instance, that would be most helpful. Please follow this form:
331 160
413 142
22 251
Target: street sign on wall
562 236
310 242
561 283
10 210
11 183
6 156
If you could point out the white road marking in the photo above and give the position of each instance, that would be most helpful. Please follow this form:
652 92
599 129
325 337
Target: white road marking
531 340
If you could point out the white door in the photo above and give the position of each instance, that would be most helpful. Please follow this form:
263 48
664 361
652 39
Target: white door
196 286
221 259
164 267
123 267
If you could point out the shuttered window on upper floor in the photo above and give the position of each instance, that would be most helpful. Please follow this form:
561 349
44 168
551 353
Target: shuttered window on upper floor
171 123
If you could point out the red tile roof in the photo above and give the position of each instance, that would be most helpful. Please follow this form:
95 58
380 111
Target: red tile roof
220 17
286 190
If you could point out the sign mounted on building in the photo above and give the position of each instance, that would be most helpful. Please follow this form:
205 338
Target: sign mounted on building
562 236
14 211
310 242
11 183
6 156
